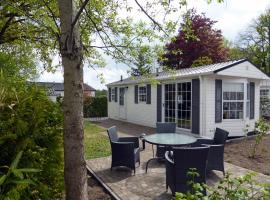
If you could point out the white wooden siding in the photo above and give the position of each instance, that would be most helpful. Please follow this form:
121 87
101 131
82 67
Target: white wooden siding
234 126
141 113
245 69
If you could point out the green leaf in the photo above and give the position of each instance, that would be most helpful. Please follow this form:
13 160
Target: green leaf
15 162
23 182
29 170
17 173
2 179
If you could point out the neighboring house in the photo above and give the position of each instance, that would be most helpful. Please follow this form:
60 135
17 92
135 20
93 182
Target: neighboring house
225 95
265 89
57 89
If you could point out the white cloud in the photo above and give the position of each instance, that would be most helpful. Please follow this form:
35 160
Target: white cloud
233 16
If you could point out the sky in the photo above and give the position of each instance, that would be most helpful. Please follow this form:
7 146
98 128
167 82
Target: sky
232 17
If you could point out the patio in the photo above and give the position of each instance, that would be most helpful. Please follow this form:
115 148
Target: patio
125 185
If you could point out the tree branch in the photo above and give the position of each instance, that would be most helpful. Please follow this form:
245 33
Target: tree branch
52 15
151 18
6 25
79 13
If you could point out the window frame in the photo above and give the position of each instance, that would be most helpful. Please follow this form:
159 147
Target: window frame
243 101
140 94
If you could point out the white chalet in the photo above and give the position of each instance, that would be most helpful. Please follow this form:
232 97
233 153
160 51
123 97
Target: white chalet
224 95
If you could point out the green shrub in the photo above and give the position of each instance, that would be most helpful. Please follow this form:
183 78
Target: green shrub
239 188
31 123
261 129
95 106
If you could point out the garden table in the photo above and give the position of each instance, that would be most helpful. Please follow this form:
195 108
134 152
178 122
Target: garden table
168 140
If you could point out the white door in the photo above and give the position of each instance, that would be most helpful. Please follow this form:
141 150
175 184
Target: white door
122 103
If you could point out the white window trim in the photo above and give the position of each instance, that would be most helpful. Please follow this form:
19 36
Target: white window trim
139 94
244 100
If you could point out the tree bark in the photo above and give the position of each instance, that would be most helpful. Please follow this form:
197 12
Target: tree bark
72 55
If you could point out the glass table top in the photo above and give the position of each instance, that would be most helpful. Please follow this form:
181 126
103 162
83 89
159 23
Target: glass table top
170 139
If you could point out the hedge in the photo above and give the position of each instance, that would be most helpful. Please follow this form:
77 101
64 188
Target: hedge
95 106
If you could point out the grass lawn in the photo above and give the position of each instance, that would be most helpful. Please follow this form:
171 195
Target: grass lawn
96 141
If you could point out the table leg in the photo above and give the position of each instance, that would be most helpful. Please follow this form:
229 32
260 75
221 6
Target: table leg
153 151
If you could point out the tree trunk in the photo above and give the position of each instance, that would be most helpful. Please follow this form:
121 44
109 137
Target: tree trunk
71 53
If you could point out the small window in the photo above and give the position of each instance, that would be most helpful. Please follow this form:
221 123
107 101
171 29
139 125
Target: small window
113 94
233 100
142 94
121 96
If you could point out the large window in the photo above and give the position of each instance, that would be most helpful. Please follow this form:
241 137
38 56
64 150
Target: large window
233 100
142 94
184 105
170 102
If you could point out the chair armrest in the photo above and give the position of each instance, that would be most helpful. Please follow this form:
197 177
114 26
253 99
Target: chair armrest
168 158
134 140
216 151
122 147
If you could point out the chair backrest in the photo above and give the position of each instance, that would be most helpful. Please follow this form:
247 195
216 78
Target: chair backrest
187 158
112 132
165 127
220 136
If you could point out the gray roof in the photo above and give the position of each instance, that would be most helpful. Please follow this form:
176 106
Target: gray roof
60 86
201 70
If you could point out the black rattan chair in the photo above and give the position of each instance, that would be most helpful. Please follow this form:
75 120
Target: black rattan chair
125 150
216 152
164 128
179 163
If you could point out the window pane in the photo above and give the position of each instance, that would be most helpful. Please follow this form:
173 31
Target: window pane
239 114
232 114
226 106
226 95
233 105
240 95
240 106
232 95
226 115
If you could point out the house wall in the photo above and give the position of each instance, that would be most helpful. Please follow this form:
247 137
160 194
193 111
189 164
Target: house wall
53 96
141 113
89 93
234 126
245 70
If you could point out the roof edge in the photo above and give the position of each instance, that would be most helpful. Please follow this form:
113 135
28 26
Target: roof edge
231 65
